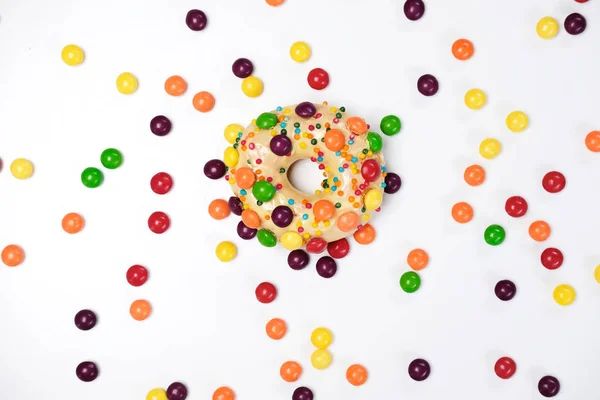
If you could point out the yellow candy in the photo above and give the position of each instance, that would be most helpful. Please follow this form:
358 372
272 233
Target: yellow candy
231 132
252 86
300 52
547 28
21 168
320 359
373 199
475 99
72 55
291 240
231 157
597 274
564 294
490 148
226 251
127 83
517 121
157 394
321 338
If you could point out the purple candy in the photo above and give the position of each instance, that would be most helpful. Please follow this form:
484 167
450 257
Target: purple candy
392 183
176 391
326 267
215 169
505 290
428 85
298 259
282 216
414 9
160 125
196 20
245 232
306 109
419 369
575 24
85 320
280 145
87 371
235 205
303 393
549 386
242 68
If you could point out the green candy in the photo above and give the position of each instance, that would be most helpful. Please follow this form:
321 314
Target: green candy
266 120
410 282
111 158
375 142
494 235
266 238
390 125
92 177
263 191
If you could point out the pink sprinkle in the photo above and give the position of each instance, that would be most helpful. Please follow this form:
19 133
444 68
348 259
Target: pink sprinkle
251 146
357 192
313 159
258 161
226 177
352 137
378 209
362 186
243 142
301 229
321 166
319 115
311 128
368 126
320 154
359 227
345 165
308 205
269 179
279 186
335 120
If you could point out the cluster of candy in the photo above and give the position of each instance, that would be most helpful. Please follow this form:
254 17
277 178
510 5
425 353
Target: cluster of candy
92 177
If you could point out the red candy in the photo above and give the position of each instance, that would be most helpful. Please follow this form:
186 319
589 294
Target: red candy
265 292
316 245
161 183
552 258
137 275
370 170
318 79
554 182
505 367
158 222
339 248
516 206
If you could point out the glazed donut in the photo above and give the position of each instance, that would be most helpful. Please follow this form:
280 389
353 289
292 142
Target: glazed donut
339 144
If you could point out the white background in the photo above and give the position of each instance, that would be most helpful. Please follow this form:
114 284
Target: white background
207 328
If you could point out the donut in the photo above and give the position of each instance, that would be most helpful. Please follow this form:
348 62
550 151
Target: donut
339 144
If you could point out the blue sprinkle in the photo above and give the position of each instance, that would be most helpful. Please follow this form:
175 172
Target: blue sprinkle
283 124
335 179
383 184
354 159
291 201
279 108
350 141
319 159
337 153
304 216
239 134
383 168
243 192
297 130
334 188
341 169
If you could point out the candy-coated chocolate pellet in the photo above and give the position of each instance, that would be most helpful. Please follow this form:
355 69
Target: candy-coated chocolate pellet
231 132
215 169
72 223
474 175
494 235
390 125
266 120
554 182
575 24
85 320
592 141
356 374
417 259
282 217
306 109
235 205
334 140
517 121
218 209
111 158
419 369
505 290
252 86
161 183
203 101
223 393
157 394
357 125
137 275
547 28
428 85
72 55
274 3
177 391
159 222
266 292
242 68
12 255
245 232
552 258
316 245
373 199
140 310
321 359
505 367
326 267
291 240
318 79
281 145
366 235
462 212
276 328
516 206
231 157
490 148
263 191
414 9
564 294
251 219
375 142
462 49
196 20
303 393
87 371
410 282
226 251
290 371
475 99
392 183
321 338
21 168
300 52
160 125
339 248
548 386
597 274
323 210
539 231
370 171
127 83
175 85
298 259
92 177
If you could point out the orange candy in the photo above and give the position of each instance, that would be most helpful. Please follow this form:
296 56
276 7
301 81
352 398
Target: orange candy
357 125
12 255
592 141
348 221
276 328
334 140
175 85
365 235
72 223
290 371
245 177
218 209
323 210
223 393
474 175
539 231
462 212
251 219
140 310
203 101
357 374
274 3
417 259
462 49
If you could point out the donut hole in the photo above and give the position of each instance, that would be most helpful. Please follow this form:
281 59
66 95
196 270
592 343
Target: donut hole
305 176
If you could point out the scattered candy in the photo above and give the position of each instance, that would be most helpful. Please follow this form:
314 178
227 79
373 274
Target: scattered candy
72 223
245 232
175 85
218 209
339 248
87 371
490 148
231 157
161 183
281 145
223 393
252 86
291 240
303 393
321 359
72 55
318 79
474 175
177 391
298 259
326 267
111 158
321 338
160 125
263 191
390 125
203 101
410 282
505 290
85 320
597 274
575 24
366 235
370 171
137 275
252 220
462 49
517 121
306 109
215 169
92 177
539 231
419 369
428 85
554 182
494 235
300 52
505 367
275 3
564 294
417 259
323 210
516 206
356 374
127 83
140 310
414 9
12 255
375 142
392 183
334 140
592 141
21 168
226 251
316 245
462 212
242 68
276 328
157 394
547 28
196 20
233 132
235 205
552 258
265 292
290 371
548 386
475 99
158 222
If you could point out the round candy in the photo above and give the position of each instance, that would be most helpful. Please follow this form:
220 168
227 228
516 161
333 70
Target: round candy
276 328
158 222
516 206
87 371
252 86
160 125
72 55
226 251
474 175
417 259
245 177
72 223
326 267
505 290
410 282
505 367
242 68
161 183
321 359
92 177
290 371
357 125
539 231
302 393
392 183
215 169
554 182
462 212
414 9
175 85
245 232
233 132
318 79
12 255
575 24
85 320
428 85
316 245
592 141
137 275
218 209
323 210
251 219
140 310
564 294
517 121
334 140
196 20
338 248
298 259
366 235
291 240
223 393
490 148
203 101
549 386
235 205
321 338
370 170
263 191
462 49
231 157
111 158
266 120
419 369
390 125
127 83
282 216
177 391
552 258
356 374
375 142
21 168
265 292
300 52
275 3
157 394
305 109
547 28
475 99
494 235
582 1
281 145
